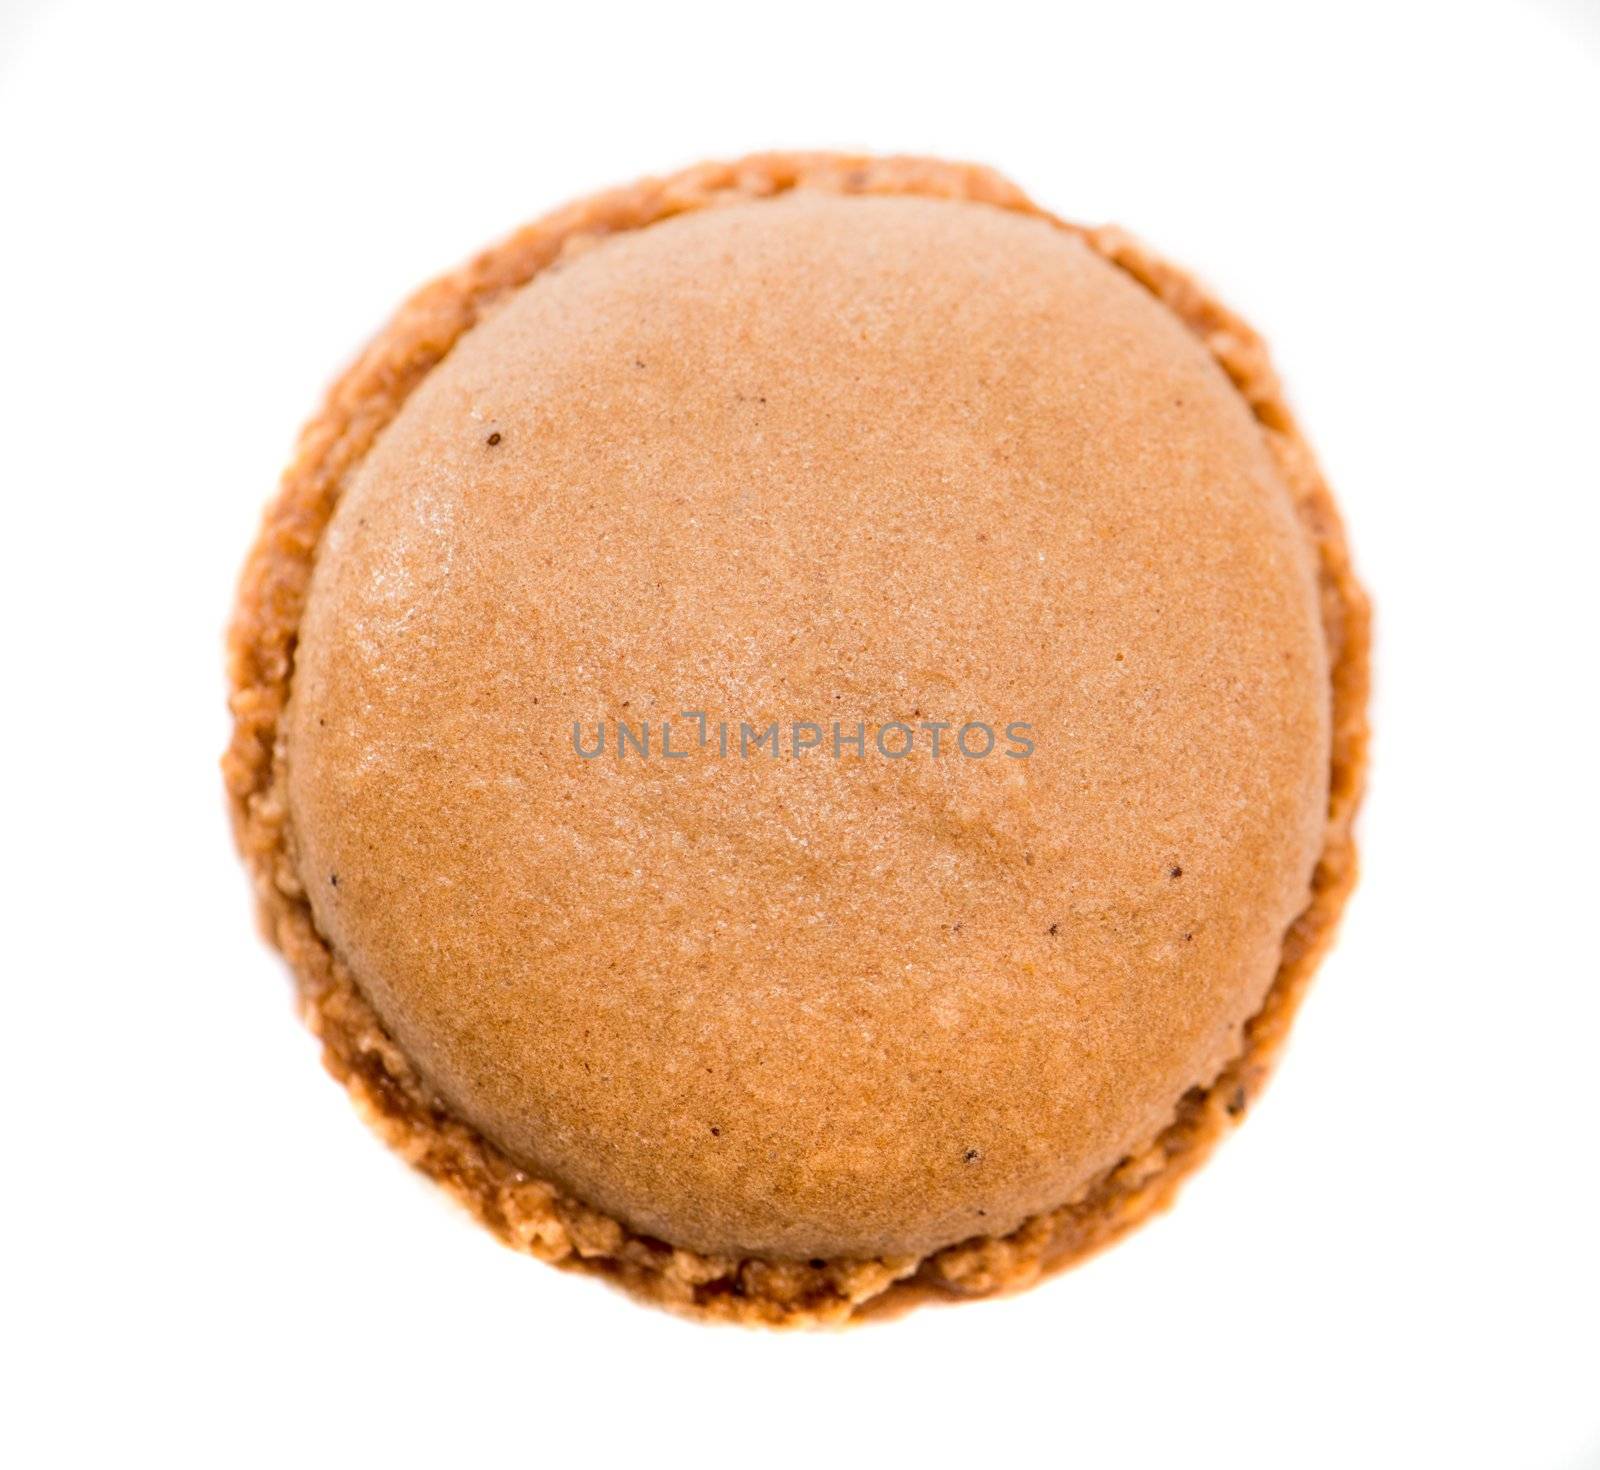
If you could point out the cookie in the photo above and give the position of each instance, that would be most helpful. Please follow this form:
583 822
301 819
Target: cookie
798 727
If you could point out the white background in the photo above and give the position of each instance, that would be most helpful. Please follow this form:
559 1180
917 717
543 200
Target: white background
207 1261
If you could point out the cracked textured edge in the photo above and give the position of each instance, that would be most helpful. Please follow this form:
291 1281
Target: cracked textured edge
531 1214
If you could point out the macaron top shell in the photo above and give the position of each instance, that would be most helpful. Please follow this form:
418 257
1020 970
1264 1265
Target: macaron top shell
835 463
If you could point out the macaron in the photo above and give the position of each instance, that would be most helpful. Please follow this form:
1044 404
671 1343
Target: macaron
798 727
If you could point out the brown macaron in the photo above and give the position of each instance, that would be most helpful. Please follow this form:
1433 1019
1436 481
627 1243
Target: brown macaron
798 726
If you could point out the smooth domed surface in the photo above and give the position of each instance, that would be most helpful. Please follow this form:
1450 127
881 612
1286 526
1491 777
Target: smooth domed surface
816 459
